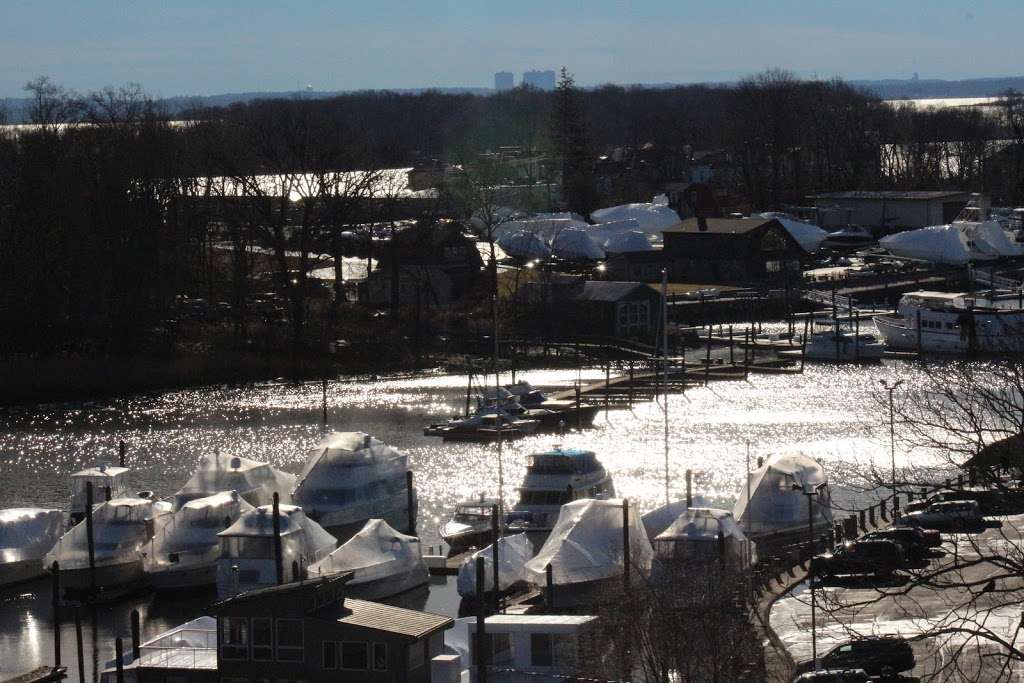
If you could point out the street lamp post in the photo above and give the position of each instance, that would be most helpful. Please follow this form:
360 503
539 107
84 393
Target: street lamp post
892 435
811 490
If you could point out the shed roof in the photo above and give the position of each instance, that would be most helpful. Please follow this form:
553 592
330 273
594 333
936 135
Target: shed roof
918 195
719 226
596 290
381 617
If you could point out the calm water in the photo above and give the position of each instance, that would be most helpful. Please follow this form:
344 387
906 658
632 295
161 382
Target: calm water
829 412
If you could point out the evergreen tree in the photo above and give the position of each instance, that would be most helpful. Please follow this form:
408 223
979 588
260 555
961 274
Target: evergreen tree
571 142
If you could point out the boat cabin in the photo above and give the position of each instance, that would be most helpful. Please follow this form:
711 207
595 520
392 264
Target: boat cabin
107 482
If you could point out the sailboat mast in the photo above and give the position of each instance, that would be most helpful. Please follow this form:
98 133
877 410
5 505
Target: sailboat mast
664 365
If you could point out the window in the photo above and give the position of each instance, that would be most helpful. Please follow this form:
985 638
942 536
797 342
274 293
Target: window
501 655
540 649
289 640
416 658
380 656
330 655
262 640
355 656
234 638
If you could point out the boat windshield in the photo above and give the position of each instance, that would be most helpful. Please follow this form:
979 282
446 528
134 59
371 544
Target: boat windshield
247 547
561 463
473 513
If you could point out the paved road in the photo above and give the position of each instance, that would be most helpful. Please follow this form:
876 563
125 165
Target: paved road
946 596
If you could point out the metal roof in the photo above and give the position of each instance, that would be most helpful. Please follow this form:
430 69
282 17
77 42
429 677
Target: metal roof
719 226
892 194
597 290
381 617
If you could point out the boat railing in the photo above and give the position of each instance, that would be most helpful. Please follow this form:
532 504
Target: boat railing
181 649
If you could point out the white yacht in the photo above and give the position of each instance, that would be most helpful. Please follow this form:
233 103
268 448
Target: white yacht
841 346
351 477
383 563
955 322
107 482
256 482
554 478
121 528
248 557
470 526
485 424
183 553
26 534
849 238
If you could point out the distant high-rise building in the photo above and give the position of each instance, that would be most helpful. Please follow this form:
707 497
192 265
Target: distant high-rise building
503 80
545 80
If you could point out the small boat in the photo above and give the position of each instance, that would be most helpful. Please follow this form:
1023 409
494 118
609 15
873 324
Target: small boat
850 238
702 537
470 526
247 555
121 528
350 478
383 563
513 553
256 482
183 553
486 424
774 504
26 534
955 322
585 552
526 403
554 478
107 482
840 346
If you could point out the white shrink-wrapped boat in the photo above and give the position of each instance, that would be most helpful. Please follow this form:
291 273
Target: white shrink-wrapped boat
184 551
651 217
256 482
107 482
121 528
585 551
937 244
704 536
350 478
808 235
777 502
513 553
576 244
628 243
26 534
524 245
382 561
247 555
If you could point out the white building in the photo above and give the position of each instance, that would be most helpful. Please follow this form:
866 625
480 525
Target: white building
503 80
544 80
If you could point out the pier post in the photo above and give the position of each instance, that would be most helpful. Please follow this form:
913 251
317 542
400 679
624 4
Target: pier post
579 413
278 559
689 488
959 481
871 515
721 548
78 645
549 589
55 603
625 544
707 360
410 500
122 451
494 557
119 659
90 538
296 576
481 624
136 634
630 384
106 493
607 380
732 358
324 385
856 333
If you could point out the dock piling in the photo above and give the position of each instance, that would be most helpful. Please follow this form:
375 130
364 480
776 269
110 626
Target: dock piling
90 539
122 451
324 387
410 503
549 588
78 645
136 634
689 488
481 623
625 543
119 659
278 559
55 573
494 556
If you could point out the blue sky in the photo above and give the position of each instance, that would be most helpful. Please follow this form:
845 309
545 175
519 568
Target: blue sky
215 46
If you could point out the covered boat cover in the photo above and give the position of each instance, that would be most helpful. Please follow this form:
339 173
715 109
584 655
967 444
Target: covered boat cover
544 229
314 539
627 242
28 533
376 553
937 244
777 500
254 481
524 245
119 533
987 240
513 554
586 544
659 519
695 535
808 235
102 476
576 244
651 217
191 532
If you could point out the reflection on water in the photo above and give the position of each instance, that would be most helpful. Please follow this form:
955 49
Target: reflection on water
829 412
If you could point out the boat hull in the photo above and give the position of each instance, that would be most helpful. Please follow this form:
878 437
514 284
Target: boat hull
475 538
109 577
388 586
991 336
180 579
13 573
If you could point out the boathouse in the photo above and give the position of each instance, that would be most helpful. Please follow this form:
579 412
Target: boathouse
888 211
717 250
625 310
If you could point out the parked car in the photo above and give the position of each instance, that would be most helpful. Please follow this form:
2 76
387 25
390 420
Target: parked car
916 542
949 515
833 676
872 557
990 501
873 655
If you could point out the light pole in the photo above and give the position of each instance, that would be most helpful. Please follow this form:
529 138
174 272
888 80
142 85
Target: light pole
811 490
892 436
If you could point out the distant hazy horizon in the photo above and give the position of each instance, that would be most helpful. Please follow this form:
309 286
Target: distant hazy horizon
197 48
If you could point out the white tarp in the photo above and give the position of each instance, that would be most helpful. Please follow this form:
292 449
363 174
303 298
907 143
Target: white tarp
119 533
627 242
499 218
576 244
376 553
546 229
513 553
562 215
602 232
808 235
586 544
659 519
259 523
524 245
777 499
987 240
695 534
937 244
191 532
28 533
254 481
102 477
651 217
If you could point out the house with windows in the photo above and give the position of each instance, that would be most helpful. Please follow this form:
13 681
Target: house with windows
734 250
534 648
625 310
310 631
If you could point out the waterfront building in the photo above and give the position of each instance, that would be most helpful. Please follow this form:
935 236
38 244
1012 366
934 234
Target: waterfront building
889 211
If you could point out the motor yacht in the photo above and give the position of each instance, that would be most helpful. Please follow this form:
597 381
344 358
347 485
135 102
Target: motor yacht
256 482
107 482
839 346
26 534
850 238
352 477
383 563
470 525
486 424
183 553
955 322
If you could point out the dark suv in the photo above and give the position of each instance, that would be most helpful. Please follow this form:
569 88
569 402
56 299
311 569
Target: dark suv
874 655
991 501
876 557
916 542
